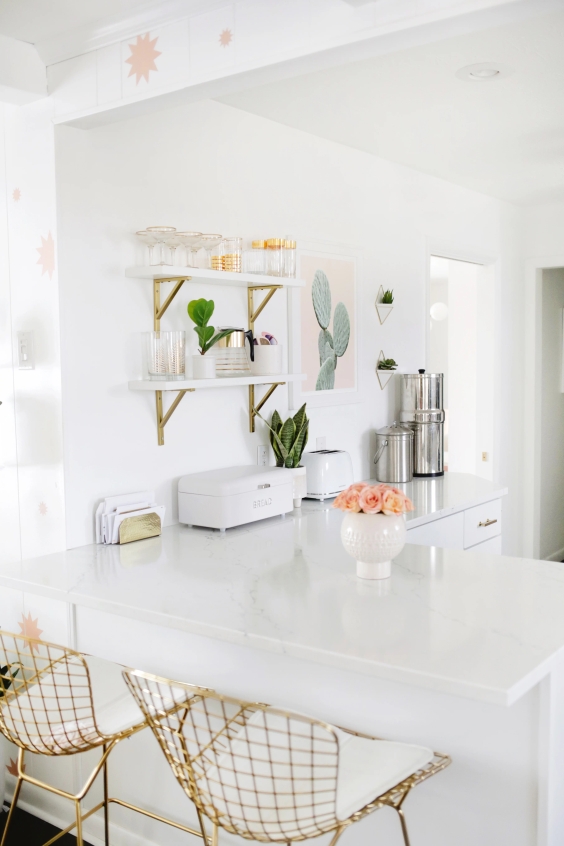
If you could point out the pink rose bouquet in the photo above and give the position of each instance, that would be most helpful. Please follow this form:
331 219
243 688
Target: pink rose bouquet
373 499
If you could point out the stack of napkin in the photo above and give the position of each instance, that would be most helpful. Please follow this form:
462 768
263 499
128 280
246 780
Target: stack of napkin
115 510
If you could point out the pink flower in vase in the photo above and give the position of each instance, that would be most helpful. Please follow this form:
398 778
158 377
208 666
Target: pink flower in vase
370 500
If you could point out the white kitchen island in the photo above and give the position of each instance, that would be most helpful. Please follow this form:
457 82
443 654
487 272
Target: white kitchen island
457 650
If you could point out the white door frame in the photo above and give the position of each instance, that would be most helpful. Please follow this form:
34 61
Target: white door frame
532 400
492 267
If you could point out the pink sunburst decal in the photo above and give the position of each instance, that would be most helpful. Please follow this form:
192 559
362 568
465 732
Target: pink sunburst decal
29 628
225 38
47 255
142 59
16 195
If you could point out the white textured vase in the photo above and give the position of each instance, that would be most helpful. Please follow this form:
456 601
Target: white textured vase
203 367
374 540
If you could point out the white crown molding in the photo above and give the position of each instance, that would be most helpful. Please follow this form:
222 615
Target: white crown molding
112 30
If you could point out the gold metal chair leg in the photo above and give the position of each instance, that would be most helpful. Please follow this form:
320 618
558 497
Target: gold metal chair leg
14 798
403 826
106 804
215 835
79 840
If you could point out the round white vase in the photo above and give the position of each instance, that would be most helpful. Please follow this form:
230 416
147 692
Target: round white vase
374 540
203 366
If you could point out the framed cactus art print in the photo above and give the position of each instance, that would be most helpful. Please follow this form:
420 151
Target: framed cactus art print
324 328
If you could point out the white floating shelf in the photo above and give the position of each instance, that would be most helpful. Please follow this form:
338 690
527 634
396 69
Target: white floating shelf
212 277
218 382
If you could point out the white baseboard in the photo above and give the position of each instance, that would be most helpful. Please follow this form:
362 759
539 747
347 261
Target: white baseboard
556 556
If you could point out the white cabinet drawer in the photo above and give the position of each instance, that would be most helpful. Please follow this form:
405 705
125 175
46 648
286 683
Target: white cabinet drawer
493 545
447 532
482 523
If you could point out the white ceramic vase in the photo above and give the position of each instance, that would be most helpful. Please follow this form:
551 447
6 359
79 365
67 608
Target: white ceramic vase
374 540
299 485
203 366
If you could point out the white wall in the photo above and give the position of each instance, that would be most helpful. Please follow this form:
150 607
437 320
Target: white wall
214 168
31 485
552 419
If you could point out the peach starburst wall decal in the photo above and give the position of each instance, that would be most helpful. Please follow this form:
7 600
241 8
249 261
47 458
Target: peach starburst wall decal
142 59
16 194
12 768
29 628
225 38
47 255
43 509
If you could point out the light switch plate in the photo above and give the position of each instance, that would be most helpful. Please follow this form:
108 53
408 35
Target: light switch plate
26 360
262 455
321 443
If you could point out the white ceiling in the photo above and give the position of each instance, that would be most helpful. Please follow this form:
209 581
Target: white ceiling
35 20
504 138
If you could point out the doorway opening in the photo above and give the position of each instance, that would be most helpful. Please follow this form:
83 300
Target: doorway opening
461 346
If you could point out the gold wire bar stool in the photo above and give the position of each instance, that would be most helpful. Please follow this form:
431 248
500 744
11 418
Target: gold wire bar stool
271 775
54 701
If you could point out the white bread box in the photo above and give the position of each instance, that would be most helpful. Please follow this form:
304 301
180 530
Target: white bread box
232 496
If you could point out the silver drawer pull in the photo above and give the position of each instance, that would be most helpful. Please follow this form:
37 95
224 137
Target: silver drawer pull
487 523
261 487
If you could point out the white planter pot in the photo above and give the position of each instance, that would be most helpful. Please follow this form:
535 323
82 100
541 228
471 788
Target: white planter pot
373 540
203 366
299 485
268 360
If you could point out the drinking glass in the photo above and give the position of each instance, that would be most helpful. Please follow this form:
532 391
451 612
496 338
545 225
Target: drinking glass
149 240
161 252
165 355
208 242
191 242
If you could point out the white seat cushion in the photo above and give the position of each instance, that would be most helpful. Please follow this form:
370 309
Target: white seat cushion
282 776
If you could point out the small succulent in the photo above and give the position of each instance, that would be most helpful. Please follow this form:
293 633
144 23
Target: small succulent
387 364
200 312
288 439
387 297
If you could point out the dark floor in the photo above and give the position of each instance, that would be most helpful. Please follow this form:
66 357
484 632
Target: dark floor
27 830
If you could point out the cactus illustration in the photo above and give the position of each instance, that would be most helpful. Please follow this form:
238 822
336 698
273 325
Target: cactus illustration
331 346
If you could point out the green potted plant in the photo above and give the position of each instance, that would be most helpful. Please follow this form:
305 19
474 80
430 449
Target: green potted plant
387 364
288 440
384 303
200 312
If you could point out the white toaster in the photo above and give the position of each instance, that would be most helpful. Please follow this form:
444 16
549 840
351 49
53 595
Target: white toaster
329 471
232 496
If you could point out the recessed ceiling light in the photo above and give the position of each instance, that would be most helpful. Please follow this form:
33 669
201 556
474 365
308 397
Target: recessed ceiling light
483 72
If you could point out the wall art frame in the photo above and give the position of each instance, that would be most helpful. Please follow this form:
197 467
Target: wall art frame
342 267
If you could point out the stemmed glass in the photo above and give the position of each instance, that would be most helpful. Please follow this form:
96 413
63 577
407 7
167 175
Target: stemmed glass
192 243
162 235
149 240
208 242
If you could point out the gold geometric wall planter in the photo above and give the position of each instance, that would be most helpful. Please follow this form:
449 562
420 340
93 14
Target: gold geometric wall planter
384 376
383 309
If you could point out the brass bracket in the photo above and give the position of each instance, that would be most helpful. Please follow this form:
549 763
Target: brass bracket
253 409
253 314
158 309
162 419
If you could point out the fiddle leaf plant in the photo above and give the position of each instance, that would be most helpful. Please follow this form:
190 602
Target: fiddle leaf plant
289 438
200 312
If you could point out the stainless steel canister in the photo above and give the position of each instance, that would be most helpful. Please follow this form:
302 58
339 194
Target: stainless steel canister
394 453
422 410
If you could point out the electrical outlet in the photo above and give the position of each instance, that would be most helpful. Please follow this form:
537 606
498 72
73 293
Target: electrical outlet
484 456
262 455
321 443
25 351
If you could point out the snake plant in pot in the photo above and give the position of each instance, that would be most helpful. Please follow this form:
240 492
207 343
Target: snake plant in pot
288 440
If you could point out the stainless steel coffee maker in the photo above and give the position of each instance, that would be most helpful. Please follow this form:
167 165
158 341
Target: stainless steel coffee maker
422 410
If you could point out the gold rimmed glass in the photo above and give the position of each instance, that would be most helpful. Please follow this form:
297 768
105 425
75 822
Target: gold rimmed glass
161 251
208 243
149 240
191 241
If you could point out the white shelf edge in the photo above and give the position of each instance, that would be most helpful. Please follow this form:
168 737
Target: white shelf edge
218 382
212 277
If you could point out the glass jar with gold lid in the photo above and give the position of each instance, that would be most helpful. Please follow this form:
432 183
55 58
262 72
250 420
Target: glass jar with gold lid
274 266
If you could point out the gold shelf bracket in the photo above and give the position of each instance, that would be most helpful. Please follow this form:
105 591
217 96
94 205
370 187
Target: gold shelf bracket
158 309
254 408
253 314
162 419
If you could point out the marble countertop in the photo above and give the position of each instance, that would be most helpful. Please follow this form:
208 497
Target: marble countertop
476 625
436 498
